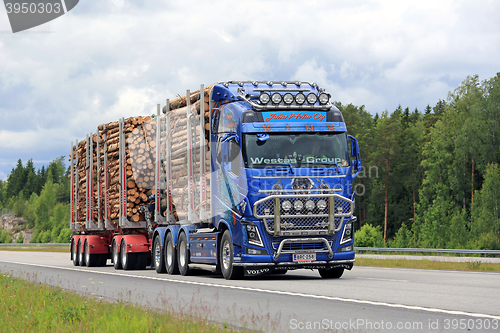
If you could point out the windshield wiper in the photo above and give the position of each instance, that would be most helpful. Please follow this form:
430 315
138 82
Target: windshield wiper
286 164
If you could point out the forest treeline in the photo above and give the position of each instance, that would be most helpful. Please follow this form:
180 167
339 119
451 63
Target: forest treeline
430 178
41 197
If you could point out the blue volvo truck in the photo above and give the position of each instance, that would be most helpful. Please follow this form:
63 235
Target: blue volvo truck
250 178
273 191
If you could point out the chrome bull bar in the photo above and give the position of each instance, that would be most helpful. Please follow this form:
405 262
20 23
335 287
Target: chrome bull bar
303 222
303 241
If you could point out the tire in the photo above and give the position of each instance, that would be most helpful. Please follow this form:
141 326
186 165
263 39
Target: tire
141 260
117 263
90 259
170 255
74 252
158 257
183 255
226 256
81 258
128 259
332 273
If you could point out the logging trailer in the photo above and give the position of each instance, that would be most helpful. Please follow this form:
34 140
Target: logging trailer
242 178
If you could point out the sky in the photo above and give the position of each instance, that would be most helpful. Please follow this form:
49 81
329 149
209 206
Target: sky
105 60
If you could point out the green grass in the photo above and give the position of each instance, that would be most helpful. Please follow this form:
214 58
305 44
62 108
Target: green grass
59 248
472 265
27 306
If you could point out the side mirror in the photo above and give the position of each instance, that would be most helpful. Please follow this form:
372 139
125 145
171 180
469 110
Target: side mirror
355 155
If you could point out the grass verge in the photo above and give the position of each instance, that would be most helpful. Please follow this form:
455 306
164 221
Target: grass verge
27 306
59 248
472 265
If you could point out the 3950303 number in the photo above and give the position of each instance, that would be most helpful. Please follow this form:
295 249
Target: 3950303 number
41 8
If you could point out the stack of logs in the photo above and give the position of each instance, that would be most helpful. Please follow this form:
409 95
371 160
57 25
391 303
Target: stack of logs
141 145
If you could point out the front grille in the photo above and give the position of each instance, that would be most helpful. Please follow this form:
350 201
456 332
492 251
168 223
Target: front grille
304 221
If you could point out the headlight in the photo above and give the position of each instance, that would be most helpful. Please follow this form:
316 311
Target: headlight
321 204
276 98
300 98
298 205
310 205
264 98
312 98
340 210
288 98
286 205
323 98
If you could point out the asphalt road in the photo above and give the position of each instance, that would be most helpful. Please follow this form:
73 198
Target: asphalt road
366 299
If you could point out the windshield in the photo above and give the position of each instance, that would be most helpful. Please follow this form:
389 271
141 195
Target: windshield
299 150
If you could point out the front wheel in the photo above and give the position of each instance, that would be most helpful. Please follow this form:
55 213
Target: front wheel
183 255
332 273
171 255
158 260
226 256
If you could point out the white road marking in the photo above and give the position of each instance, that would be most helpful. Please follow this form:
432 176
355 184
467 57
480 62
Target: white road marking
376 279
278 292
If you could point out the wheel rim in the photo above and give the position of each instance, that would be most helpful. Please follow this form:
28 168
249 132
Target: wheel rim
75 258
87 253
124 255
157 254
182 256
115 254
170 251
226 255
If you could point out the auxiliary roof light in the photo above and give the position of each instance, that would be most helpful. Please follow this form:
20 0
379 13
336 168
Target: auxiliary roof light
288 98
300 98
264 98
324 98
312 98
276 98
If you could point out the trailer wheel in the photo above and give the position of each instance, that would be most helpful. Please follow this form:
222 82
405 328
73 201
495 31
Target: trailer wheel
74 254
171 255
183 255
81 258
90 259
158 259
332 273
226 255
116 256
128 261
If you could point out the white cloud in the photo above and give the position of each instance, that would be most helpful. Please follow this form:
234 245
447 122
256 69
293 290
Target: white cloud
108 59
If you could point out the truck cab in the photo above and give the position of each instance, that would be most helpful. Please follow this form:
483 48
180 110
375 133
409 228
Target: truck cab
283 168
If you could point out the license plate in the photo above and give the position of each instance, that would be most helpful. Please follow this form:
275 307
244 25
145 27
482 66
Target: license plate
304 256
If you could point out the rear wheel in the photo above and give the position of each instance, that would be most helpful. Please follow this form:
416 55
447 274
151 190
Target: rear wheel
81 258
116 256
90 259
226 255
74 253
158 259
183 255
332 273
128 261
171 255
